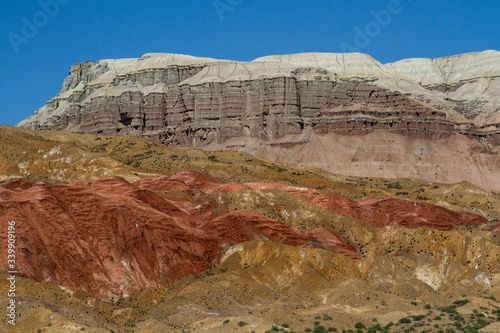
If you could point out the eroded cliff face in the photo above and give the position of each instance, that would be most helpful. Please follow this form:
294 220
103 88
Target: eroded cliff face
302 103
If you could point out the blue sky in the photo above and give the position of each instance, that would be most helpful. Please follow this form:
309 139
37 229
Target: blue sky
34 62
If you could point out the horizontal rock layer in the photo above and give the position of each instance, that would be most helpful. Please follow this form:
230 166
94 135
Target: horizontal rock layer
191 102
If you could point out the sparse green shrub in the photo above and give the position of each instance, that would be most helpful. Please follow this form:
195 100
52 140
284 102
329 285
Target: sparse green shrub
418 317
395 185
319 329
448 309
389 325
376 328
461 302
482 323
327 317
360 325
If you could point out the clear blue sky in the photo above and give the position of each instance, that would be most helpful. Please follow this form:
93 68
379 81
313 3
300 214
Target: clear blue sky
79 31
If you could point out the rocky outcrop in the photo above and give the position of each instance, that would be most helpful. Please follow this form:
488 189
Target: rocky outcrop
279 103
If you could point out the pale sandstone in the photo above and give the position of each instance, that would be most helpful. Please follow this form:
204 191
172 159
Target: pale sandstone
433 119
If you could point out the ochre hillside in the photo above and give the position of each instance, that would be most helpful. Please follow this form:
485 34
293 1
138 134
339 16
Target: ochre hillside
123 235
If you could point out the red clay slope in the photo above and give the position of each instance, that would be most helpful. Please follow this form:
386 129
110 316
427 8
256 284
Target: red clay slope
109 234
378 213
494 228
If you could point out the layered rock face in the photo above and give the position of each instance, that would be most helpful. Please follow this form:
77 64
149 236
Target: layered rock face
312 109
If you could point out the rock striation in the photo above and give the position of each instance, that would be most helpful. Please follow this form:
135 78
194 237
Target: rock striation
378 213
111 235
296 108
